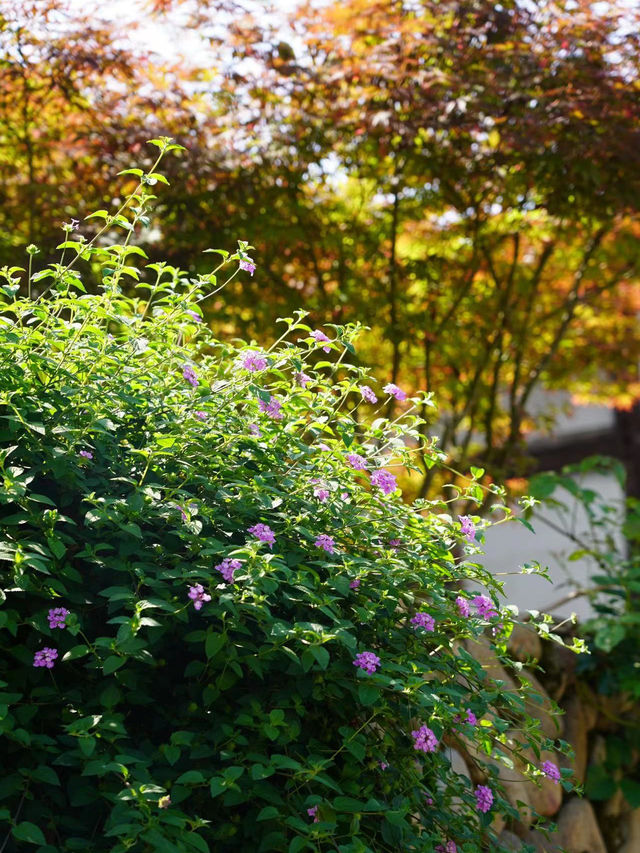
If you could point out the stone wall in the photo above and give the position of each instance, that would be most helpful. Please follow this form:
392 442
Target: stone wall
583 827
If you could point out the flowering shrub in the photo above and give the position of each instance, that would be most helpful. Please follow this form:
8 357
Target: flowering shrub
221 627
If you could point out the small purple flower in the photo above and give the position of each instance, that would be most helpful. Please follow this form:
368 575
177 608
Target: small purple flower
423 620
471 717
320 338
463 606
253 361
200 415
254 429
383 765
248 266
428 799
57 617
394 391
384 480
86 454
194 316
367 394
189 374
449 847
45 657
367 661
325 542
355 584
550 770
484 606
484 798
313 812
198 595
395 544
264 533
321 493
467 528
424 739
272 408
323 446
359 463
303 380
227 567
71 226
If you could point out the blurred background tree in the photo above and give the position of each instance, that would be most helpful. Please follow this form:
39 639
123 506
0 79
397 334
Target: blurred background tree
460 175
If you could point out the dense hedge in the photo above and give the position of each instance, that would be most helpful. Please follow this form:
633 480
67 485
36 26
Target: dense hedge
221 627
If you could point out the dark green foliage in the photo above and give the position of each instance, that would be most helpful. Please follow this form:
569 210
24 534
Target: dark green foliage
166 728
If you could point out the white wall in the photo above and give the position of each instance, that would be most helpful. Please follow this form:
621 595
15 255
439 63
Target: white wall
509 546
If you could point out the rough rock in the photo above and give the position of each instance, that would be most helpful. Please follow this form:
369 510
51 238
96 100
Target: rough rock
484 654
559 665
540 706
547 798
540 843
578 722
510 841
524 643
631 830
578 829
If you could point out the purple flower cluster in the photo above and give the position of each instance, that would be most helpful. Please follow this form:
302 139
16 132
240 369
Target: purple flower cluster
384 480
200 415
550 770
367 661
248 266
449 847
367 394
194 316
463 606
303 380
467 528
321 492
271 408
471 717
264 533
320 338
395 544
254 429
359 463
253 361
394 391
355 584
313 812
484 606
423 620
57 617
86 454
325 542
198 595
45 657
424 739
484 798
190 375
227 567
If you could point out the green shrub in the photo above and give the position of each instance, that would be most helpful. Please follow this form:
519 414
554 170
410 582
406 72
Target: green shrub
204 693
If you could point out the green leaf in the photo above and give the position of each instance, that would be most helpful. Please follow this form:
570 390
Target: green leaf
191 777
112 663
75 653
45 774
268 813
368 693
321 655
28 832
213 644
